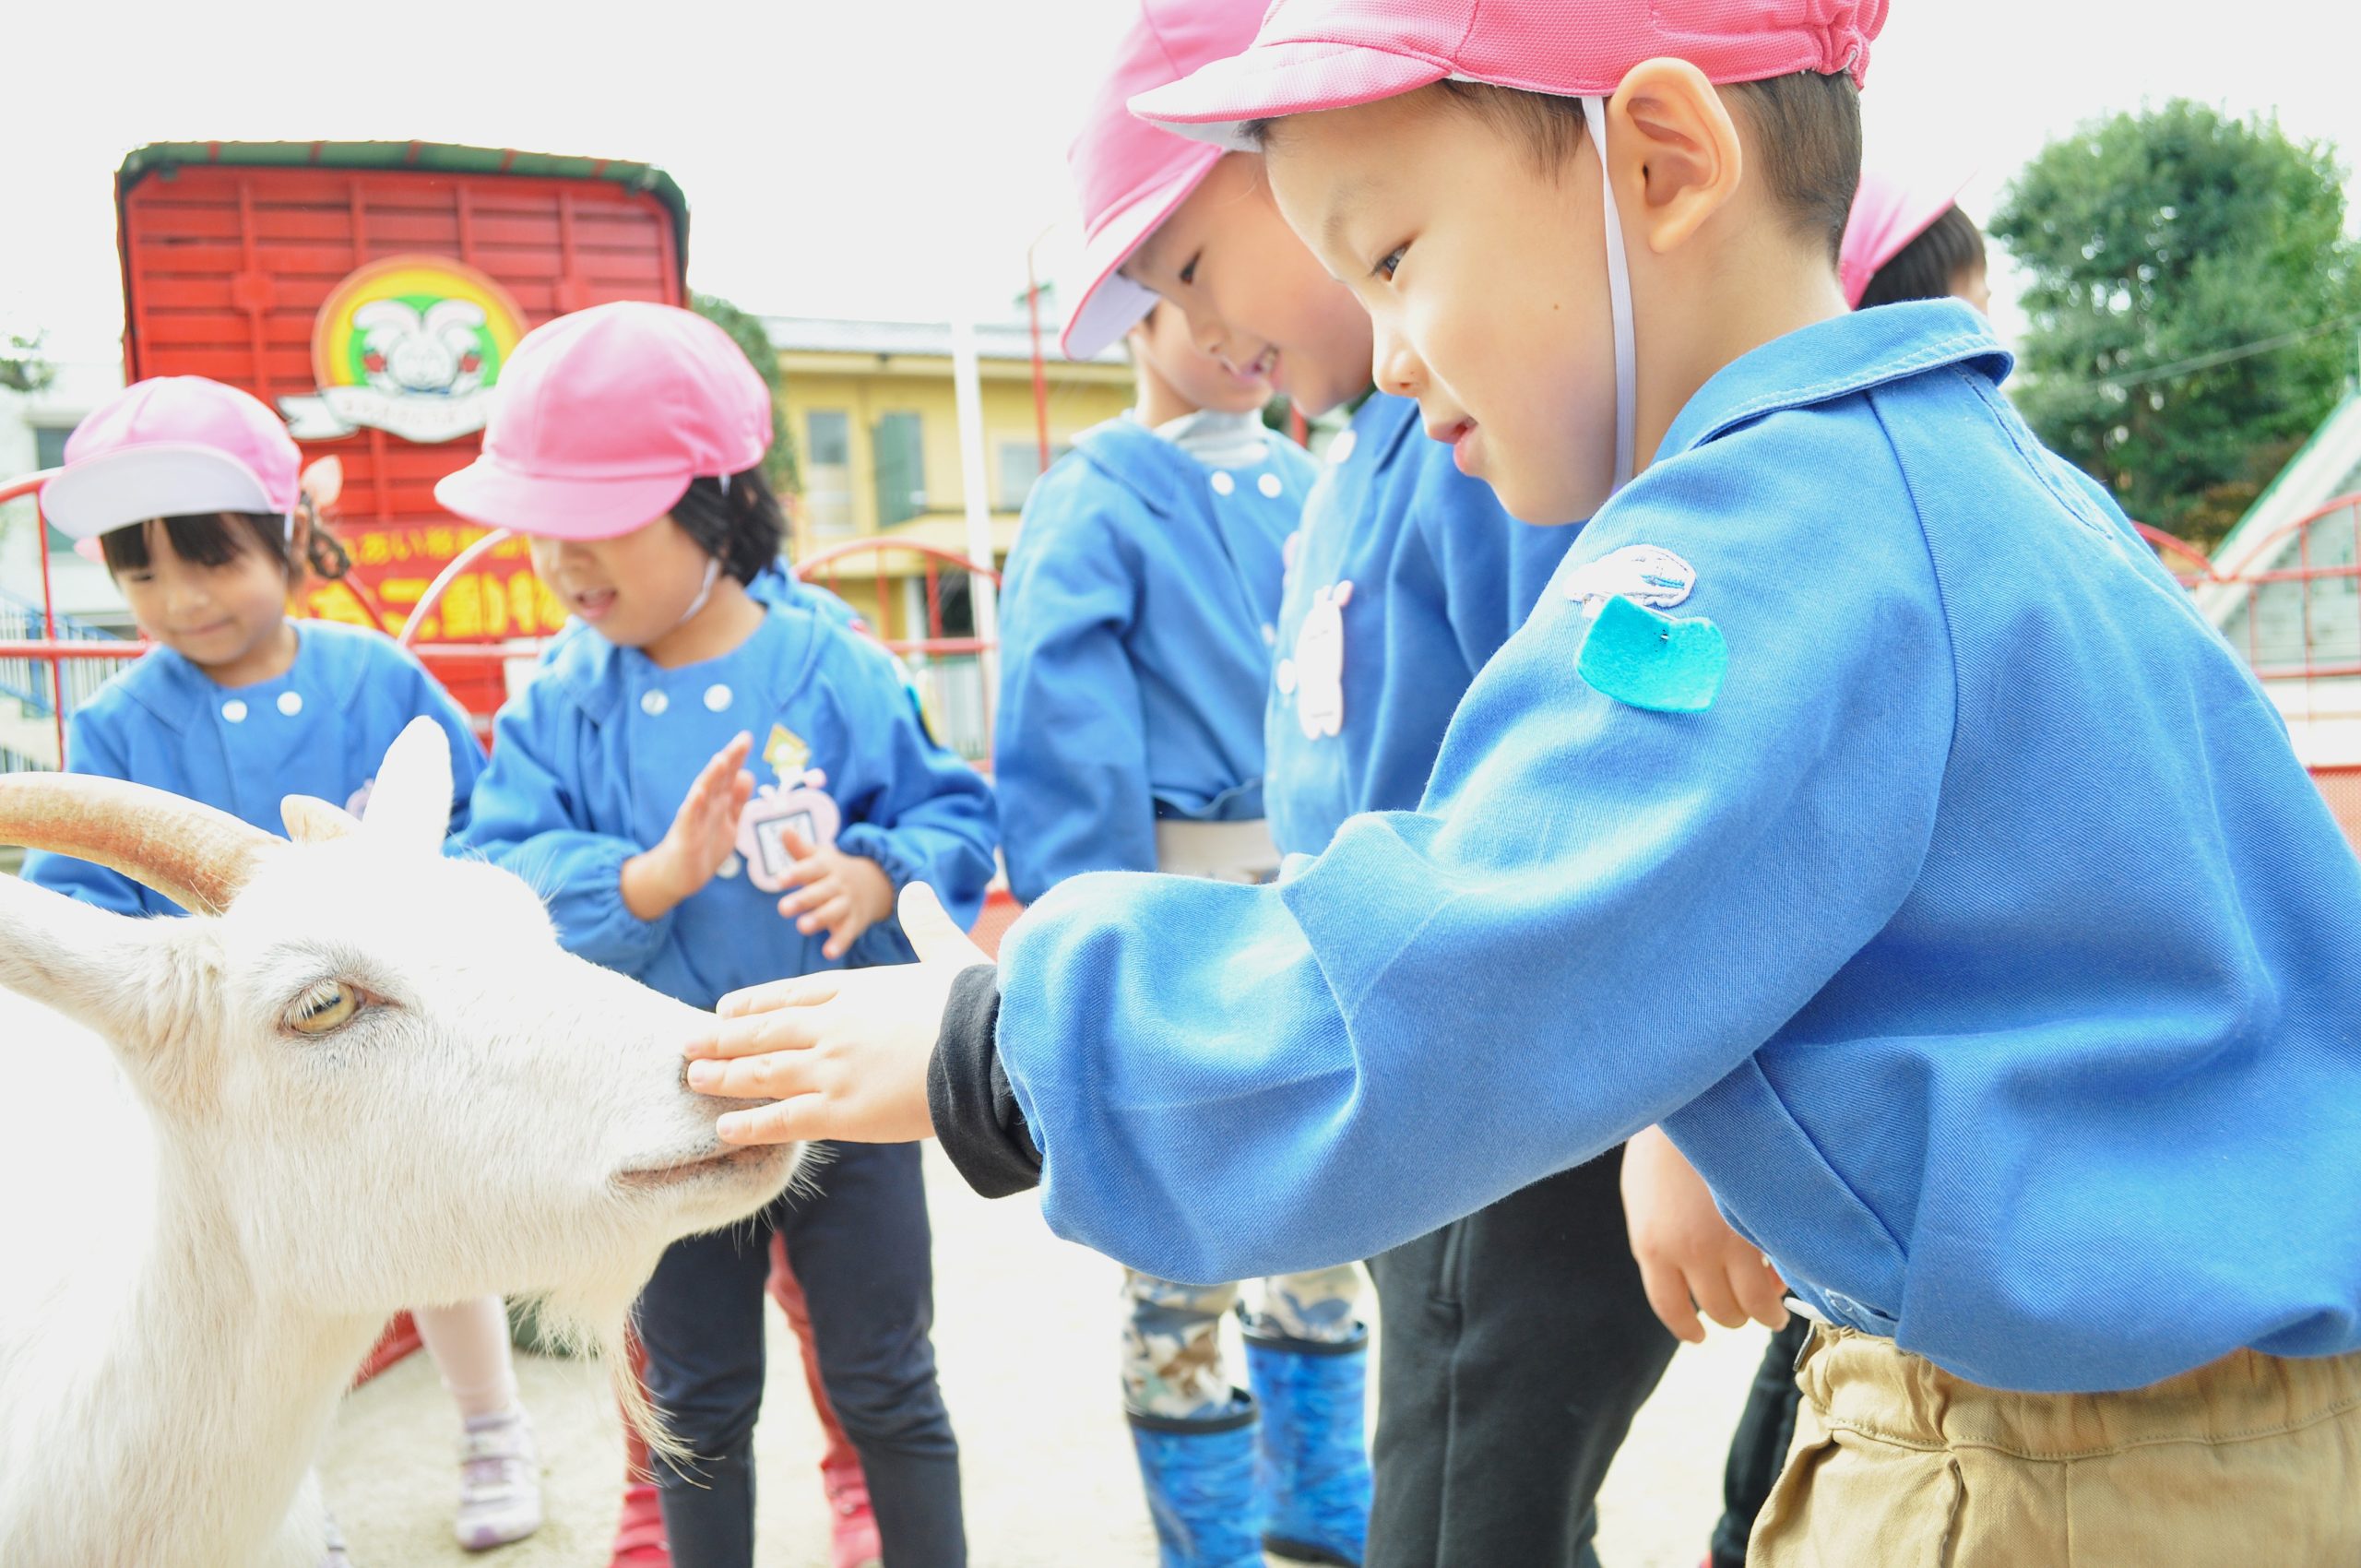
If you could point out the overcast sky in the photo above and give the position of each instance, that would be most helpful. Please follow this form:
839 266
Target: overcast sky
894 158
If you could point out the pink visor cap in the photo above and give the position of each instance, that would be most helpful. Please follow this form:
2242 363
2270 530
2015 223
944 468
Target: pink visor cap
171 446
1129 175
1316 54
1887 213
602 418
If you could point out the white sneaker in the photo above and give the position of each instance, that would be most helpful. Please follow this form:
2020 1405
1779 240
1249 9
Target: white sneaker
500 1481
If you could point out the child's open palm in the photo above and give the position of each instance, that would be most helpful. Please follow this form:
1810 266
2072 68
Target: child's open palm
704 834
840 1054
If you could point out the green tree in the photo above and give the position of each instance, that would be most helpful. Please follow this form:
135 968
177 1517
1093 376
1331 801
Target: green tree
2193 305
23 366
780 466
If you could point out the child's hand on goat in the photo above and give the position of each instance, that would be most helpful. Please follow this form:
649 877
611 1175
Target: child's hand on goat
702 834
843 895
1689 1257
842 1054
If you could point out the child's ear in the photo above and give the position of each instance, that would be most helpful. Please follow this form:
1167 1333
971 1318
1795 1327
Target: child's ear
1672 152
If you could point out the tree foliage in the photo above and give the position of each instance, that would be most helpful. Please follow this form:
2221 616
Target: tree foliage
780 465
23 365
2193 307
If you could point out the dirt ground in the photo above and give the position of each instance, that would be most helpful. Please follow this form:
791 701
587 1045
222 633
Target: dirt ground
1026 1335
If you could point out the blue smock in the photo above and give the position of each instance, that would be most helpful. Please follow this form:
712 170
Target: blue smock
1440 576
1136 624
591 761
321 729
1981 939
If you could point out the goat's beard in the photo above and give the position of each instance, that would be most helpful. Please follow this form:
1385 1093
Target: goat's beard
595 1319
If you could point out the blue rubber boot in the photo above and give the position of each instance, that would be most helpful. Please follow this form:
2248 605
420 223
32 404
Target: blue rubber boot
1200 1480
1316 1458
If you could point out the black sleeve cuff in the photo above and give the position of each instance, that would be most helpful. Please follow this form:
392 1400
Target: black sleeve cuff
969 1097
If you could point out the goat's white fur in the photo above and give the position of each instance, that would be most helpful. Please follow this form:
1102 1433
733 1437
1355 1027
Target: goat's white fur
210 1217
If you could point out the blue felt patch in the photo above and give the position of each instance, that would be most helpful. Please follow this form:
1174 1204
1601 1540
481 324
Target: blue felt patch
1645 660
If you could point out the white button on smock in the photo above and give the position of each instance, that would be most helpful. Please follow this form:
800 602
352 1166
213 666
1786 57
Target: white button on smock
653 704
234 711
1223 483
291 703
1269 485
717 697
1341 449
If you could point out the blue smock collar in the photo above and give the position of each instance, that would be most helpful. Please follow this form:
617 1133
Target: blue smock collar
1835 359
595 675
173 691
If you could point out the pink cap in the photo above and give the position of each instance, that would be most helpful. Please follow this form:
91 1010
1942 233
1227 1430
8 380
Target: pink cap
1131 175
1315 54
1887 213
602 418
167 447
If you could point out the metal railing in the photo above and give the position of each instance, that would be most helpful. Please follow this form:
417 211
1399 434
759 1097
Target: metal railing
30 682
2300 622
953 675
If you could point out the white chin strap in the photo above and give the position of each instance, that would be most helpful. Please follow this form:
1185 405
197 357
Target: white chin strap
1618 293
712 576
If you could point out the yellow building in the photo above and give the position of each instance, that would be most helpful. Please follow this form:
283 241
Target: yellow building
876 427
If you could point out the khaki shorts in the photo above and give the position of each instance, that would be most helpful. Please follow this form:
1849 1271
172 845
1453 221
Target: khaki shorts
2254 1460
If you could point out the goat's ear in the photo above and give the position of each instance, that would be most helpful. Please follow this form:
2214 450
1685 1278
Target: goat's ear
129 981
411 803
311 820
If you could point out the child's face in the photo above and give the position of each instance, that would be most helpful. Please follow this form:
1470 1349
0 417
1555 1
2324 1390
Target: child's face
1251 296
216 617
630 589
1486 278
1162 343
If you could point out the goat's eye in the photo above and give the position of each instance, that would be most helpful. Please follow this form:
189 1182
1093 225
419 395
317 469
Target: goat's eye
326 1006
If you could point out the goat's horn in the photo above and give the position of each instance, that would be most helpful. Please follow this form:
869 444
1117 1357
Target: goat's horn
194 855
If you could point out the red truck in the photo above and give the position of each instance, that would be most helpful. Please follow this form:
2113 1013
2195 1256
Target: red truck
371 291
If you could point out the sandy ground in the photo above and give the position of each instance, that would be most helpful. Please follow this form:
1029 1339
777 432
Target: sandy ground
1026 1337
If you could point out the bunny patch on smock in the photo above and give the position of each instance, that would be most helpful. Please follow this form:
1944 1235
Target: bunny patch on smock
1405 579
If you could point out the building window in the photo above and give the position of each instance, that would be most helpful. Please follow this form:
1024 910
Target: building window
899 442
828 438
1019 465
48 452
827 471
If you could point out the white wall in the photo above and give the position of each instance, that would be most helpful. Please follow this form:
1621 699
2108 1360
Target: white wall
82 588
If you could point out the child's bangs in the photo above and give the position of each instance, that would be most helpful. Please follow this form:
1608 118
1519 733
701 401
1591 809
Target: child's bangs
205 539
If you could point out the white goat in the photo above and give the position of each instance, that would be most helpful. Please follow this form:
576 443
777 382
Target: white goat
362 1075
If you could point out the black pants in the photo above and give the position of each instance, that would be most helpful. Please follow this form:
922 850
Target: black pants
1766 1430
864 1254
1518 1345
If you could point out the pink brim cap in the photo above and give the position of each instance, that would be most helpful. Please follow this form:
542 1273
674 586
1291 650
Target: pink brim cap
1888 213
1214 103
1313 55
1110 304
157 479
539 506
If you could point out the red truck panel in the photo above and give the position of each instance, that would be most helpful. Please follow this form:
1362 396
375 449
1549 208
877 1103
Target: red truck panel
226 267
